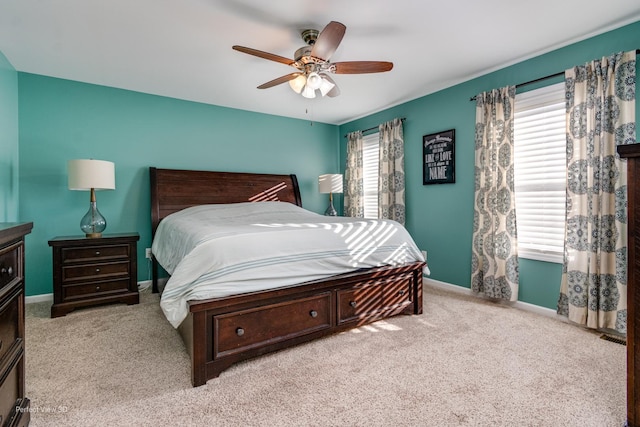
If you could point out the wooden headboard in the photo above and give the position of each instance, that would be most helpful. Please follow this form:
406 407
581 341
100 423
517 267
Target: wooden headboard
173 189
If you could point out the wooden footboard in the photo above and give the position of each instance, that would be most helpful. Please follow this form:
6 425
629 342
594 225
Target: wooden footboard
220 332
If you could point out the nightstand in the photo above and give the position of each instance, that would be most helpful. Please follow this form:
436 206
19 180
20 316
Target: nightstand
92 271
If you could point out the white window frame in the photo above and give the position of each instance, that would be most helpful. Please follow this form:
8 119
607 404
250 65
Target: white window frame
370 173
540 172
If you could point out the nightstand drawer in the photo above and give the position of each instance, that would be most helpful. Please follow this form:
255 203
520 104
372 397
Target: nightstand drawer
95 271
71 292
95 253
9 269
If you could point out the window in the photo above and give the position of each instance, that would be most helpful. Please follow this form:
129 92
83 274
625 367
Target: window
540 172
370 161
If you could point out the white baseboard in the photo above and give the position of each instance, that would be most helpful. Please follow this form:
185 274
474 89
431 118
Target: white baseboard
142 286
145 285
38 298
517 304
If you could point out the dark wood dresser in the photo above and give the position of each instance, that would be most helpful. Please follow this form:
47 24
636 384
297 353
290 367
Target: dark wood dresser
632 153
92 271
14 406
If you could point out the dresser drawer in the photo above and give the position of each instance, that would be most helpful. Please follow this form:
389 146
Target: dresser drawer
94 253
9 325
95 289
9 266
270 324
359 302
9 392
95 271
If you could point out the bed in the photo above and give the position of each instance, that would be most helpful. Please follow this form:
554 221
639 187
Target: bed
223 330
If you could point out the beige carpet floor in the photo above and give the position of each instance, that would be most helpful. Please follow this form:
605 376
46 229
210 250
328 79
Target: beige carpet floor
464 362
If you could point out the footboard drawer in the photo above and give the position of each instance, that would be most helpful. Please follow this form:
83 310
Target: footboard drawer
359 303
397 294
256 327
369 301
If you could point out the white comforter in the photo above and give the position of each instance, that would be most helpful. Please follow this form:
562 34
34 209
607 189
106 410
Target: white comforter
218 250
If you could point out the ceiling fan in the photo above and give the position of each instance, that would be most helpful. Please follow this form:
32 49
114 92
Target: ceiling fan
312 63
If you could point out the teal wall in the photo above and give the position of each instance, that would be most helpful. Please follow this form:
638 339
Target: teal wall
8 141
440 217
61 120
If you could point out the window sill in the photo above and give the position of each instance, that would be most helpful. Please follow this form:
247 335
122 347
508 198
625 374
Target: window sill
553 257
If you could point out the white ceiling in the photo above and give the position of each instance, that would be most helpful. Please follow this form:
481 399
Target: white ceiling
182 48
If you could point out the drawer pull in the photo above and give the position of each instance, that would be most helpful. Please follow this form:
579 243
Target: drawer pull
313 313
97 270
7 270
353 304
97 288
240 332
97 253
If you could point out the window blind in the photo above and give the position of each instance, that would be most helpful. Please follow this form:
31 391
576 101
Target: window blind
370 161
540 172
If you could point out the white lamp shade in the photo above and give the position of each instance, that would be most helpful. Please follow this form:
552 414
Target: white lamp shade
326 86
308 92
330 183
298 83
314 81
85 174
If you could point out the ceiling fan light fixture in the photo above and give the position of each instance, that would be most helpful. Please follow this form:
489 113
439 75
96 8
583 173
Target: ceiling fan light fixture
326 86
298 83
314 81
308 91
312 63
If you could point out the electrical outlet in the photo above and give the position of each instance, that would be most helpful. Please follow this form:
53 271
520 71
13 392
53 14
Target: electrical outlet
147 253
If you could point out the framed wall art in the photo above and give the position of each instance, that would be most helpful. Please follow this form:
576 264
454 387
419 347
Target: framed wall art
439 157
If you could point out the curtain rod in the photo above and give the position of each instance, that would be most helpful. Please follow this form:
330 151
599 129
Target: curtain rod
473 98
376 127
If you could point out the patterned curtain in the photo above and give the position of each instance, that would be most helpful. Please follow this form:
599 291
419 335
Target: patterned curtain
391 172
495 251
354 188
600 115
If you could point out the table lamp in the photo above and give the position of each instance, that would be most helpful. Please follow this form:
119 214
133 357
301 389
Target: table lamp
89 174
330 183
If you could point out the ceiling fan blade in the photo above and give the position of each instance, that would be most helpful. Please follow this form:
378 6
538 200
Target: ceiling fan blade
328 40
279 80
265 55
362 67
